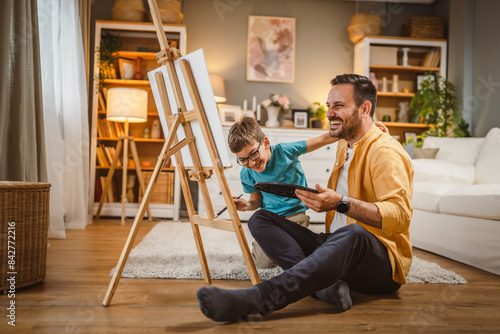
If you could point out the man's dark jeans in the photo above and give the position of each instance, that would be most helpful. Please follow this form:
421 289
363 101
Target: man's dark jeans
313 262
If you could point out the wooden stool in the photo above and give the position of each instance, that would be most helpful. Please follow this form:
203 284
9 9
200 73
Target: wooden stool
24 227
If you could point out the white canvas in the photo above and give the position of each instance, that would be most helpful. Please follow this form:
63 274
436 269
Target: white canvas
198 66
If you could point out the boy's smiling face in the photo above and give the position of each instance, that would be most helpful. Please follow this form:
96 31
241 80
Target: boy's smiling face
256 155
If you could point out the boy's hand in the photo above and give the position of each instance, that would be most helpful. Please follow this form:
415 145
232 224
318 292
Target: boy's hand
382 127
241 204
325 200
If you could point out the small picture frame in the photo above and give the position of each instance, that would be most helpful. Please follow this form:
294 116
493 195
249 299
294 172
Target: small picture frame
300 118
229 114
127 68
408 135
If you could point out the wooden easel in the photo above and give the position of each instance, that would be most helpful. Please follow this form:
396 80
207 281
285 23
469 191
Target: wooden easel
172 147
123 143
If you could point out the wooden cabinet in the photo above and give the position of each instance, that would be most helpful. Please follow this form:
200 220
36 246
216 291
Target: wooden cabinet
384 57
317 166
138 41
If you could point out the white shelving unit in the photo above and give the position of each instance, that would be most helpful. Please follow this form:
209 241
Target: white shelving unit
132 36
388 102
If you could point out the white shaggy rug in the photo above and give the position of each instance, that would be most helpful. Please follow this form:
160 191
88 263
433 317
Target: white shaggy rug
169 251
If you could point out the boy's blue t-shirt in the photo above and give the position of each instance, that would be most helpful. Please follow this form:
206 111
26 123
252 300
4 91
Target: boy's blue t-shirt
283 167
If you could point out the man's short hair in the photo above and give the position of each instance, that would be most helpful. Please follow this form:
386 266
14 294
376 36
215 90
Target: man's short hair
246 131
364 90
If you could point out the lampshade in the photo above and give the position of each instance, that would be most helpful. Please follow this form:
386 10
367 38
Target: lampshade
218 88
127 104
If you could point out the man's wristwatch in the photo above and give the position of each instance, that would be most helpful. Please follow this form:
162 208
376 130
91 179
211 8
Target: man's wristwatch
343 205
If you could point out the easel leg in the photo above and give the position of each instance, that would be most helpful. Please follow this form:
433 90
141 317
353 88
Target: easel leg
109 178
134 230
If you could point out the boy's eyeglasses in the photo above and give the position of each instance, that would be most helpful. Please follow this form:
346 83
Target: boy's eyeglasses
254 156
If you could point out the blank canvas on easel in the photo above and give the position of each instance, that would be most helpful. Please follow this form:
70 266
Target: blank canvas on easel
198 66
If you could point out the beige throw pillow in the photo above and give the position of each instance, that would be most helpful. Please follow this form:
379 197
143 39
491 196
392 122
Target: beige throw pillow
424 153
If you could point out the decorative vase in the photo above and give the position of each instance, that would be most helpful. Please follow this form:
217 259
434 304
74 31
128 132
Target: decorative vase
156 131
128 10
272 117
138 74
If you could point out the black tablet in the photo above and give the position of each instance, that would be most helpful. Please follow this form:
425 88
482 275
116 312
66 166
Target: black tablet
281 189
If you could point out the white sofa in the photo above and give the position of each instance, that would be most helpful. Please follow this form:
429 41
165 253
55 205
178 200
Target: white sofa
456 200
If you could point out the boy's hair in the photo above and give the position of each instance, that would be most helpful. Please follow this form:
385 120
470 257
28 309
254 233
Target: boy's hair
244 132
364 90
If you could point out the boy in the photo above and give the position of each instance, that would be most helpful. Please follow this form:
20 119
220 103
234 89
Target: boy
264 162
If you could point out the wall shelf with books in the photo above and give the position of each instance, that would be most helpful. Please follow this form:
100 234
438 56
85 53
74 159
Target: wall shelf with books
395 65
131 61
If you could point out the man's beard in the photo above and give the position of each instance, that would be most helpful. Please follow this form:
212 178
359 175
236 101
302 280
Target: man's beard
348 128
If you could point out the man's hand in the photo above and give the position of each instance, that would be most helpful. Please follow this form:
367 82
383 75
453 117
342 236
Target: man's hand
326 200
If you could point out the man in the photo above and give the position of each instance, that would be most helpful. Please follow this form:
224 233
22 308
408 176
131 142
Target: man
370 251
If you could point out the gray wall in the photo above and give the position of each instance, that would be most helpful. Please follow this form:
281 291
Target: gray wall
323 46
486 76
474 51
324 49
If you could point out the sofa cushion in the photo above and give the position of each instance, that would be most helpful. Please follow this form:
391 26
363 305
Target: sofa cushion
488 163
478 200
424 153
426 195
442 171
459 150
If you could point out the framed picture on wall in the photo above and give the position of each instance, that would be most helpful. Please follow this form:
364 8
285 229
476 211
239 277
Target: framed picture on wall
270 49
300 118
229 114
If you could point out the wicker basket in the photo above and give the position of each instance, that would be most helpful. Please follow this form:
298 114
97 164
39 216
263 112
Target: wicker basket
25 204
424 27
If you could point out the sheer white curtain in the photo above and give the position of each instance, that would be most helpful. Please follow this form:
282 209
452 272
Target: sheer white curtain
65 111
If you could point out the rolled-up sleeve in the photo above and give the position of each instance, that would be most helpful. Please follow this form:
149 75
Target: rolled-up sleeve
392 177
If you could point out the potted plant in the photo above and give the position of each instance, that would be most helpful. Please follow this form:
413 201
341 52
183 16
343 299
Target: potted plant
110 44
318 116
435 104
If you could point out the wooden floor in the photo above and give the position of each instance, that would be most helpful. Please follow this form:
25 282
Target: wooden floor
69 300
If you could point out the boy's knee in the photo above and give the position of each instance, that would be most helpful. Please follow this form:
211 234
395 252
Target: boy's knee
256 220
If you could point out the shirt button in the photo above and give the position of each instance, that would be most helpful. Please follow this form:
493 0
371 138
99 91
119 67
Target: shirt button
403 191
337 163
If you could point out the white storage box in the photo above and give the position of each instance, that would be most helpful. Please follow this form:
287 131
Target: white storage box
382 55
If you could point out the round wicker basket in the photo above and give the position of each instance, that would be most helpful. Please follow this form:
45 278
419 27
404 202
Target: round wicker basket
24 226
128 10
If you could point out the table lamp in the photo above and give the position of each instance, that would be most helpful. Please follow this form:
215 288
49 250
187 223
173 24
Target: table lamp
125 105
218 88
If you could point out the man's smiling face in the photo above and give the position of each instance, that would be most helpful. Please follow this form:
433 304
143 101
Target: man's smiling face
343 114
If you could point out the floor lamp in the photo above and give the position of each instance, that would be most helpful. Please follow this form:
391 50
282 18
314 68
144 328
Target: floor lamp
125 105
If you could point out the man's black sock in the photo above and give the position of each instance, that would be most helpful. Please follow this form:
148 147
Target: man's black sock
337 294
226 305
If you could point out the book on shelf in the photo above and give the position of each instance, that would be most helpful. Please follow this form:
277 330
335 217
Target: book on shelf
101 156
163 191
108 129
102 102
110 154
431 59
